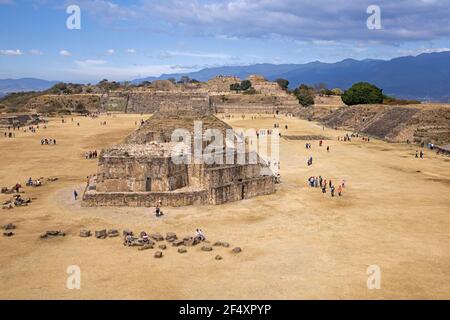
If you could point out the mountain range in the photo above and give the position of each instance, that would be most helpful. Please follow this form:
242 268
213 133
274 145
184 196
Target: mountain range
24 84
423 77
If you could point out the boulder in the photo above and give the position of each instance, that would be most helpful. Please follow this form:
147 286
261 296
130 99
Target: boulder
101 234
182 250
207 248
9 226
158 254
146 247
162 246
85 233
218 257
217 244
177 243
191 242
225 244
170 236
52 234
113 233
4 190
156 237
236 250
127 233
8 234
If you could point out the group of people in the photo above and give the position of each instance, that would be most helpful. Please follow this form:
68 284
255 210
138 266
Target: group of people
345 138
48 141
91 154
323 184
34 183
419 154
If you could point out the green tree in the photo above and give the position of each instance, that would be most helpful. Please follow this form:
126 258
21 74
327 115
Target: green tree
362 93
283 83
245 85
305 95
235 87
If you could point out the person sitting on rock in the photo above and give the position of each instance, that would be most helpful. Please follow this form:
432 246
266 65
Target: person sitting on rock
128 241
199 235
144 237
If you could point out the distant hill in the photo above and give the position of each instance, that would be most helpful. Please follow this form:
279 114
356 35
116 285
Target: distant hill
422 77
24 84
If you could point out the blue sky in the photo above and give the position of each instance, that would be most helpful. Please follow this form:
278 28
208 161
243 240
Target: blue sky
124 40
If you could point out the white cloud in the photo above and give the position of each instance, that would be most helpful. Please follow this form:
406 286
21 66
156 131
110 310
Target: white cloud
65 53
415 52
131 51
110 52
36 52
205 55
97 69
16 52
87 63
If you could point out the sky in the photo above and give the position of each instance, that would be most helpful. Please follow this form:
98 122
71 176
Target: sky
124 40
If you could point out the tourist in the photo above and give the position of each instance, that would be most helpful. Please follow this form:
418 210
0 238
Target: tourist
17 187
421 154
145 238
339 190
75 194
417 153
199 235
332 191
328 148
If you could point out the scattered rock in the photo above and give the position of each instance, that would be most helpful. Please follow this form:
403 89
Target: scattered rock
170 237
225 244
156 237
237 250
217 244
190 242
127 233
182 250
158 254
102 234
113 233
9 226
4 190
85 233
146 247
162 246
218 257
8 234
207 248
52 179
177 243
52 234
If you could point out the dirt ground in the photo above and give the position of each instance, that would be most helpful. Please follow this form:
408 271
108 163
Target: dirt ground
297 243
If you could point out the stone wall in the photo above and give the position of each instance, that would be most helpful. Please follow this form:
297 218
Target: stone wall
136 175
255 103
242 190
143 199
152 101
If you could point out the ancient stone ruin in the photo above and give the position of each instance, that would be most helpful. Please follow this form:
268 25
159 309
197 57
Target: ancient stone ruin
142 170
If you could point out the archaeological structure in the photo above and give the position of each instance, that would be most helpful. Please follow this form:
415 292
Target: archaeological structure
141 171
